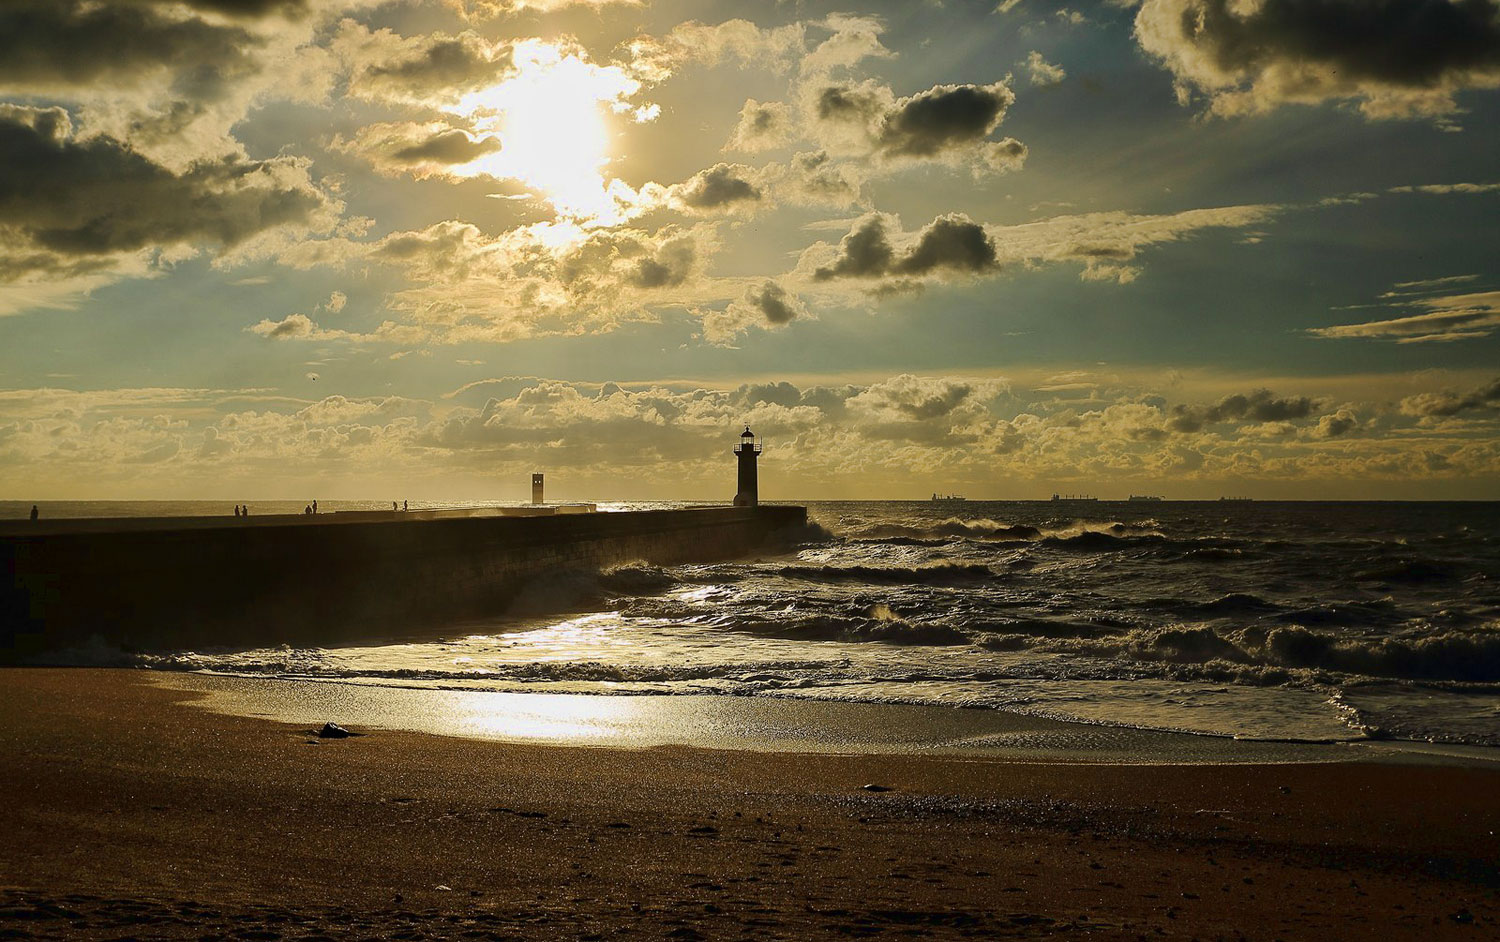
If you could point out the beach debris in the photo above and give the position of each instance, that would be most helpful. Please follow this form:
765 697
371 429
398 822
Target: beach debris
332 730
872 787
443 888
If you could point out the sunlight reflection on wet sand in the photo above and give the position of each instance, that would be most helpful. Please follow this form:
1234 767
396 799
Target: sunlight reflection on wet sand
720 722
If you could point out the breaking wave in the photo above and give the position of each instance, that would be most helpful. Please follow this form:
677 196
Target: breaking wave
1382 615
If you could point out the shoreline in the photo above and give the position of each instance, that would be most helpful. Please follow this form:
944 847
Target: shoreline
129 814
767 724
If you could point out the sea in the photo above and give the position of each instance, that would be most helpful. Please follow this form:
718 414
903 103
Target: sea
1280 621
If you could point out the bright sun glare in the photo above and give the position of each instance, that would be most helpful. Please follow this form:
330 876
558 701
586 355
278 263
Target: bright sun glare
550 119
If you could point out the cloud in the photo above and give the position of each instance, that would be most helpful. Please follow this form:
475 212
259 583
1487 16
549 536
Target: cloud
74 208
50 46
1336 424
816 178
291 327
302 327
1445 189
1397 58
1447 318
762 126
540 280
97 195
436 69
654 59
431 149
950 244
766 305
1259 406
1446 403
864 253
950 122
1043 73
489 9
884 436
1107 246
720 187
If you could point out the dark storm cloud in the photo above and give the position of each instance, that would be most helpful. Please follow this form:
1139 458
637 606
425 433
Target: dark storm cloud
1307 49
719 186
952 243
446 147
938 121
774 303
1446 404
70 43
97 195
1259 406
942 118
864 253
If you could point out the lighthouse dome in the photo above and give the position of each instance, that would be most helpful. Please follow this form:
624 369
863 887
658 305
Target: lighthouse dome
747 433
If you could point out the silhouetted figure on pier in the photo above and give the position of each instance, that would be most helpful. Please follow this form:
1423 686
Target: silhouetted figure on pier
307 511
315 506
236 511
405 506
34 512
247 511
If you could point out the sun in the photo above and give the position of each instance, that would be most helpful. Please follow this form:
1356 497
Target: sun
552 118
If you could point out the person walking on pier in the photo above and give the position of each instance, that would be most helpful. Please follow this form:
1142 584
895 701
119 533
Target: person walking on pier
315 506
34 513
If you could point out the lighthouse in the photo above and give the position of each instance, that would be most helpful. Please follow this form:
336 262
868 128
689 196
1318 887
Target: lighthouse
748 449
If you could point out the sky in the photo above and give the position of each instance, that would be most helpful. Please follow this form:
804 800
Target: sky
420 249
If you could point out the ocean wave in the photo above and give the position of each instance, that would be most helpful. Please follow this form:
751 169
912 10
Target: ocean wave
636 579
930 574
1455 655
953 527
877 626
1071 533
1472 656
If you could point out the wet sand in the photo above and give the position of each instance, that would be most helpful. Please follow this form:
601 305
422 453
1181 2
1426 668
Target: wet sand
129 813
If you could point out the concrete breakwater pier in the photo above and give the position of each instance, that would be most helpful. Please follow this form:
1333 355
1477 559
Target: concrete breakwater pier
154 583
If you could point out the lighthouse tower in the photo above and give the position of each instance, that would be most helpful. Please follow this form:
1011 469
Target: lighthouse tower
748 449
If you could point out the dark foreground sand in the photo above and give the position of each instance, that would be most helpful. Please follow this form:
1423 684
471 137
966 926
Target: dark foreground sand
125 814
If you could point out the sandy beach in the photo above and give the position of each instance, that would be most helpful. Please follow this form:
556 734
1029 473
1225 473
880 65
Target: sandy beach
130 813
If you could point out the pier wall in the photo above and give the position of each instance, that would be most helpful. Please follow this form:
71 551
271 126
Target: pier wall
160 584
